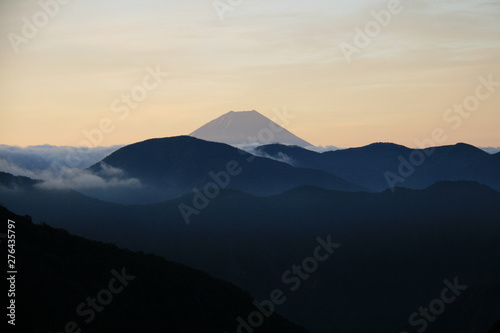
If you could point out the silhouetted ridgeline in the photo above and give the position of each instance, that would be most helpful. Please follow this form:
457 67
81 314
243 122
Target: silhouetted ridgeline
397 248
171 167
57 272
367 166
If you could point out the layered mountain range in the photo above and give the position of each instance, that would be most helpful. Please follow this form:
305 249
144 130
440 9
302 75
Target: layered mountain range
170 167
381 165
355 240
63 272
395 248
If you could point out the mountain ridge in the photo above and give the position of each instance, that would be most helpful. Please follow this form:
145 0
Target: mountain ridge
176 165
369 165
174 293
243 238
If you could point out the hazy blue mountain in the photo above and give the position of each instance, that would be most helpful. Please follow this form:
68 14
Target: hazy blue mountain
60 272
170 167
12 183
396 248
372 165
246 128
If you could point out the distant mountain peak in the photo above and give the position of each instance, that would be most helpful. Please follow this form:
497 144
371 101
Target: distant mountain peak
464 146
251 111
247 128
461 186
384 145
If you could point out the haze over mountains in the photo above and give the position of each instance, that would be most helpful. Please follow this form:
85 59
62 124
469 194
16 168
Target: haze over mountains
245 130
169 167
395 248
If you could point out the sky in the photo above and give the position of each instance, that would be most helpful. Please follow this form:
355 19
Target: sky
65 77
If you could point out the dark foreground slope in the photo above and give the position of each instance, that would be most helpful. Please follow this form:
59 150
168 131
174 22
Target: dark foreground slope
396 251
57 273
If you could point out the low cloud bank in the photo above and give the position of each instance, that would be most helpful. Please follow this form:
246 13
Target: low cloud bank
64 167
39 158
78 179
490 150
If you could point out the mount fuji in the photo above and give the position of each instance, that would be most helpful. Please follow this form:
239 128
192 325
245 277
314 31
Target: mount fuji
247 128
